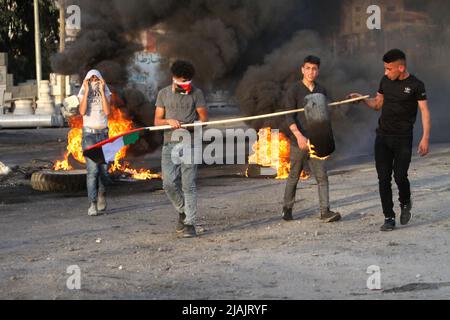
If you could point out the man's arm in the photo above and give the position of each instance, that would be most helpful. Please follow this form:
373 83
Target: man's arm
301 139
105 99
373 103
424 146
202 114
83 103
160 121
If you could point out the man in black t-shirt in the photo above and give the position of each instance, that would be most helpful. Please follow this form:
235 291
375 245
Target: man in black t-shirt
295 99
399 97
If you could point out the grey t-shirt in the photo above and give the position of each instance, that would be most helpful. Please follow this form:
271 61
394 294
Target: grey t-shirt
180 107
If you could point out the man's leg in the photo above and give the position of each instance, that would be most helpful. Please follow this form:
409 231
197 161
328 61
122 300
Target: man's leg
402 161
91 180
171 178
384 157
298 158
319 170
103 177
189 187
92 175
103 181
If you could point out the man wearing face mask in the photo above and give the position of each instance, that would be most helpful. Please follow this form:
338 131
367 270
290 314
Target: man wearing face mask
180 103
95 108
399 97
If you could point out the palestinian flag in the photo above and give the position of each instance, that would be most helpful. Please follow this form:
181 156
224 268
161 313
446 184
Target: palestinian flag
105 151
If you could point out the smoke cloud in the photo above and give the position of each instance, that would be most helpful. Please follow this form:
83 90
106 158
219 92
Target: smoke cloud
255 49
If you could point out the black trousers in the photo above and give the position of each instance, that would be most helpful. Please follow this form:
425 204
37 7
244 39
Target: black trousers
393 154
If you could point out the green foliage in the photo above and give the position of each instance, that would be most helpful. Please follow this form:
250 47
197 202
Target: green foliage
17 36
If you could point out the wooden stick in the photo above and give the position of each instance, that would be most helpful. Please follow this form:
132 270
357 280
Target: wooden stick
348 101
263 116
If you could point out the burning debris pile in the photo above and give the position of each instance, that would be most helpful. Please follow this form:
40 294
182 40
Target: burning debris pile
272 150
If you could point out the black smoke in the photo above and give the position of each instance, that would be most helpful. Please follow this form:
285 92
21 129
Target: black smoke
255 48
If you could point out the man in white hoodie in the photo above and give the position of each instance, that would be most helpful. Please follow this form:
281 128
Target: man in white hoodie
94 99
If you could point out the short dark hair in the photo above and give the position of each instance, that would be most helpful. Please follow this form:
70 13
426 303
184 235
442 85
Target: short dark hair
394 55
183 69
312 60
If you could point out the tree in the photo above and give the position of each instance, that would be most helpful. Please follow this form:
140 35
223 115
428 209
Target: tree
17 36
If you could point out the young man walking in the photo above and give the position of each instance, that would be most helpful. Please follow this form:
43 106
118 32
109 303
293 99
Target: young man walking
180 103
399 97
299 143
94 99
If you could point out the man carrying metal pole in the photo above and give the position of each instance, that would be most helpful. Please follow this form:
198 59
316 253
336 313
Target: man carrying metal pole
301 139
399 97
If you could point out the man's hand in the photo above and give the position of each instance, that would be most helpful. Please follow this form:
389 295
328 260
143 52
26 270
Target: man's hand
424 147
354 96
303 143
175 124
86 86
102 86
373 103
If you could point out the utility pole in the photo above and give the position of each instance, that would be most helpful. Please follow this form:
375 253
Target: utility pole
37 41
62 42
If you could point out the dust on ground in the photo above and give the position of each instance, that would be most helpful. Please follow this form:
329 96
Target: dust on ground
245 250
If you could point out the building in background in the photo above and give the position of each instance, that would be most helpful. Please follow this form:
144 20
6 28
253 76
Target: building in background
404 23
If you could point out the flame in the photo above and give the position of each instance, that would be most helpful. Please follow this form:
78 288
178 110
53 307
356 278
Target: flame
304 175
118 124
74 147
272 150
312 152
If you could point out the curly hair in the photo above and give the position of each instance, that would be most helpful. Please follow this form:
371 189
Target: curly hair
183 69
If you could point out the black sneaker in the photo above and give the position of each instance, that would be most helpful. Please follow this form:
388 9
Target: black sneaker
389 224
330 216
406 214
180 224
189 231
287 214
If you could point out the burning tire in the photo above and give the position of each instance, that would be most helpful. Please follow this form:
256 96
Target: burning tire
59 181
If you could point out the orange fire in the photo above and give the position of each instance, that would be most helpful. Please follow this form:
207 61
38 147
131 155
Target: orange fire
74 147
118 124
273 150
312 152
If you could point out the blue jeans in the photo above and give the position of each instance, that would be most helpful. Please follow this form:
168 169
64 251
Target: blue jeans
179 180
97 174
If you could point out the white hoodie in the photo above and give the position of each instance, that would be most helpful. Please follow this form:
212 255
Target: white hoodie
94 118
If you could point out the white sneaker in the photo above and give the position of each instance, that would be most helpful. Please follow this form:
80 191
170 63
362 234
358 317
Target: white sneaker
92 211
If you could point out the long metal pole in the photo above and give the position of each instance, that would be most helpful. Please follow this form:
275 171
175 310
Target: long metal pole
37 41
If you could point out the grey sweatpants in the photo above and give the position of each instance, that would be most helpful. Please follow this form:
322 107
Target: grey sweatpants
319 170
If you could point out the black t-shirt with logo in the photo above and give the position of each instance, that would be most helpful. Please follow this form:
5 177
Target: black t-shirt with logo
399 112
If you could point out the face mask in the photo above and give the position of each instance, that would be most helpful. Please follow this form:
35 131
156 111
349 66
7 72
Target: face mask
183 88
